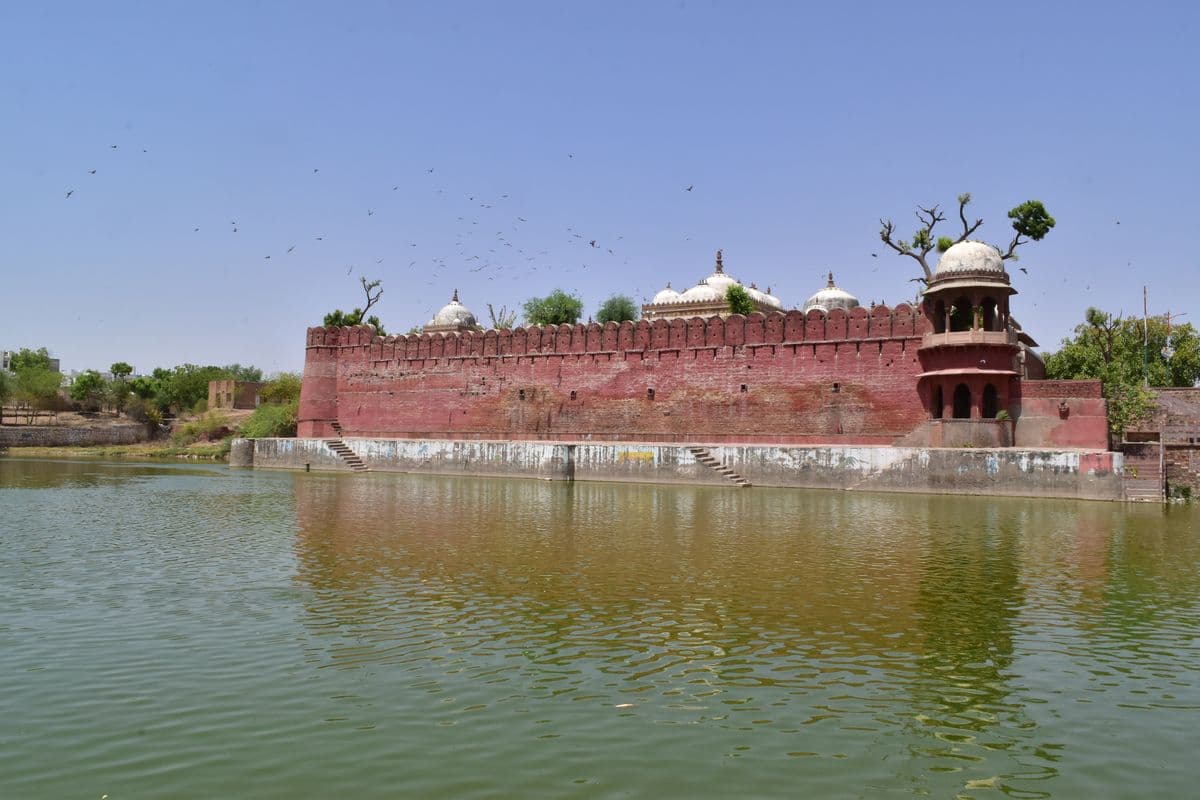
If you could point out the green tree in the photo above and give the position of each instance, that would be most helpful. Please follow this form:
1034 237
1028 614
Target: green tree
283 388
88 390
556 308
7 387
739 300
617 308
1030 220
26 358
238 372
121 370
186 385
1128 354
339 319
36 390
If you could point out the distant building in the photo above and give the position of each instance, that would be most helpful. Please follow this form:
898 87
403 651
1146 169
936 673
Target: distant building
707 298
233 394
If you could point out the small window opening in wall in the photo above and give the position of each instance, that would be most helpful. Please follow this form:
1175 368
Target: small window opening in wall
649 394
743 387
521 394
572 394
837 387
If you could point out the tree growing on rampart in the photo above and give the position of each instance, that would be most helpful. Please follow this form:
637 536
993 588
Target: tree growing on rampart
373 291
739 300
1030 221
556 308
618 308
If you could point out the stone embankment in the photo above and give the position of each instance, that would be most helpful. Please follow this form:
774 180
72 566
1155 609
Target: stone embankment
71 435
1082 474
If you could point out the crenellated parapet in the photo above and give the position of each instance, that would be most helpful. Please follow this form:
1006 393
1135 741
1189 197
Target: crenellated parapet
860 324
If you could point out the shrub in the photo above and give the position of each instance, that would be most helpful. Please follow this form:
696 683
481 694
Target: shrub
283 388
208 428
270 421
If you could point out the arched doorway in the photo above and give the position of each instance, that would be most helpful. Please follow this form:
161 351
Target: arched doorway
991 404
962 402
936 405
961 316
988 307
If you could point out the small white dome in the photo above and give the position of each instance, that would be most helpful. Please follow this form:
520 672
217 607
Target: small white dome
970 256
831 297
702 292
454 313
667 295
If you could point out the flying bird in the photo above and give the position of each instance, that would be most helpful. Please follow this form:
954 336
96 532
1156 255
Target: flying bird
70 192
874 255
113 146
290 249
91 172
1023 270
370 213
688 189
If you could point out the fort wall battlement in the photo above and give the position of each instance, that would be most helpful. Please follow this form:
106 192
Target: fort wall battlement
793 377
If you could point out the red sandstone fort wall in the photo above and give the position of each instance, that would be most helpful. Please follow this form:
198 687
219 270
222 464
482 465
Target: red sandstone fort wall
847 377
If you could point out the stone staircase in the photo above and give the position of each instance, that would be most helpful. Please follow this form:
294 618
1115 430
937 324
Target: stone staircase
706 458
1143 473
344 452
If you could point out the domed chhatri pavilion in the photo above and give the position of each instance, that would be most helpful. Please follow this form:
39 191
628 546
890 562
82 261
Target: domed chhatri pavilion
453 318
976 351
707 298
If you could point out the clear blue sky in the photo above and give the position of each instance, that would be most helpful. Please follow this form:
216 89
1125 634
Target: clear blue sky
798 126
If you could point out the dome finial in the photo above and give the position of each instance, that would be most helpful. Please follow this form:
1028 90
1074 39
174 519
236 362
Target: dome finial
720 263
455 298
830 284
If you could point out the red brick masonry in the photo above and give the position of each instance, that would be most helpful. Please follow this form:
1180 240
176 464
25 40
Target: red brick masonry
837 378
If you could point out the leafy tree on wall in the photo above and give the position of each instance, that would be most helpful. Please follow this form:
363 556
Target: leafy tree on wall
1128 354
338 318
618 308
739 300
556 308
1030 221
121 370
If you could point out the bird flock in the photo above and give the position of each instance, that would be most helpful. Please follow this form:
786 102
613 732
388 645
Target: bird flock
489 241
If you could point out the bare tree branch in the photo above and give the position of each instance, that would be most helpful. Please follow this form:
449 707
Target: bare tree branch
963 199
888 228
1016 242
368 287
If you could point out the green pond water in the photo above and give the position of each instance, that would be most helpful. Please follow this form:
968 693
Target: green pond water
182 631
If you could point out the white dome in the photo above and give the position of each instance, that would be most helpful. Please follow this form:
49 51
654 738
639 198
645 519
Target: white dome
701 292
455 314
766 298
831 297
970 256
667 295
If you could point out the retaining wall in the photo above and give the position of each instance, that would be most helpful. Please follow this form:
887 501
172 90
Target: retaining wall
70 436
1094 475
